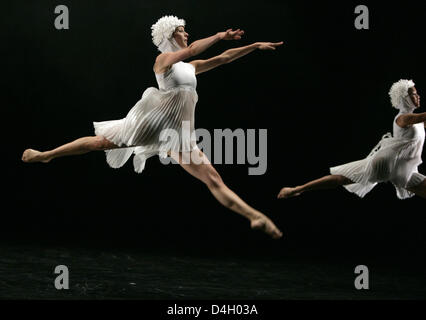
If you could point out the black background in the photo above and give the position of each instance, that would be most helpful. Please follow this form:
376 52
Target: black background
322 96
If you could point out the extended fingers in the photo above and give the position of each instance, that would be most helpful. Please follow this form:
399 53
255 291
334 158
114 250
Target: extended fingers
237 34
267 47
273 45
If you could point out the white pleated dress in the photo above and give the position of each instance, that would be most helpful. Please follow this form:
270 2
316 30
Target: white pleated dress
141 132
394 159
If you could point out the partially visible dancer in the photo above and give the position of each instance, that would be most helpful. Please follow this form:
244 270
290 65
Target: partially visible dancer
395 158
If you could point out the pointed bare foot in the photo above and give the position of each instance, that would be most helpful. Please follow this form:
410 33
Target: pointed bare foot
286 193
31 155
265 224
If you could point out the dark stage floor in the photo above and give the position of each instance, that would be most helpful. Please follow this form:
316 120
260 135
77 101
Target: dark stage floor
28 273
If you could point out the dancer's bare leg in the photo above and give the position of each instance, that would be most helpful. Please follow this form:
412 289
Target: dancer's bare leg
79 146
420 189
327 182
208 174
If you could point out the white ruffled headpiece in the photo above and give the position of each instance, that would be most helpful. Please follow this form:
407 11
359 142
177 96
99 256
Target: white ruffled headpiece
400 98
162 33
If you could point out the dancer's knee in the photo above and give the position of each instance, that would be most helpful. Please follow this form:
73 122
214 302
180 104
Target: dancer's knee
342 180
213 180
100 143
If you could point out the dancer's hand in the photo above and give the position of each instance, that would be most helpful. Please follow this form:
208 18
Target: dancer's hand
268 45
231 35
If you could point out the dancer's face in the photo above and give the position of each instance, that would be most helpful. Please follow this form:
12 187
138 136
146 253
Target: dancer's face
414 96
181 37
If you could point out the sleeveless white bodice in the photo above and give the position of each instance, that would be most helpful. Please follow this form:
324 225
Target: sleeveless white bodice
180 75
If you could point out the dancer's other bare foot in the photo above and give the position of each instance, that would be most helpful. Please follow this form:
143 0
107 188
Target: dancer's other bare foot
31 155
287 192
265 224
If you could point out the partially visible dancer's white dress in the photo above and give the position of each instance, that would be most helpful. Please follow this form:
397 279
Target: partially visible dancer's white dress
158 109
394 159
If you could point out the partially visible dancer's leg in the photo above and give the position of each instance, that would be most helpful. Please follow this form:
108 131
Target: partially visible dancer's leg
327 182
76 147
211 178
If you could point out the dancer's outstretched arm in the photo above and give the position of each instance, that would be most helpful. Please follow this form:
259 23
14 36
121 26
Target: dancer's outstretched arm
405 120
168 58
230 55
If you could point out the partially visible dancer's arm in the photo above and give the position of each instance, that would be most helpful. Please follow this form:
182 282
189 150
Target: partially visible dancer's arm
406 120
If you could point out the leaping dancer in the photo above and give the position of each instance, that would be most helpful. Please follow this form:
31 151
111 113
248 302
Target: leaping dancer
159 110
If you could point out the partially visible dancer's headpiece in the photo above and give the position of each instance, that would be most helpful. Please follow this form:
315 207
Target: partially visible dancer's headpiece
162 33
400 98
